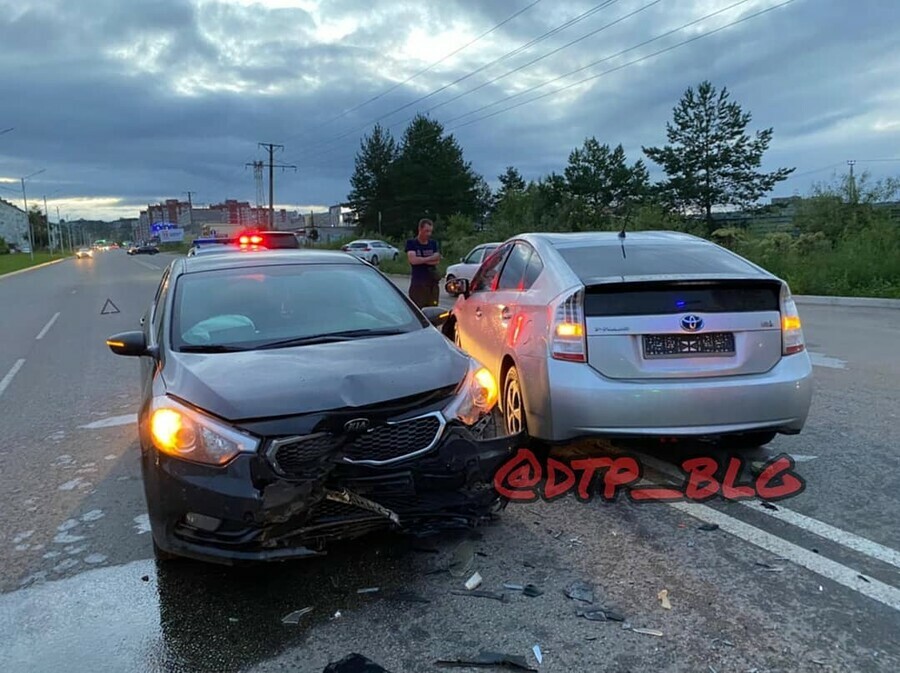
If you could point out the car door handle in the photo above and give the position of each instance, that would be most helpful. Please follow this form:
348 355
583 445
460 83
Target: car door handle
478 312
505 313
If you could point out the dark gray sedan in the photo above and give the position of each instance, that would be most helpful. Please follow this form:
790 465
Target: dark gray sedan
292 398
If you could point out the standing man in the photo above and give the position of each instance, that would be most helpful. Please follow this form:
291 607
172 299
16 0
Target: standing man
423 255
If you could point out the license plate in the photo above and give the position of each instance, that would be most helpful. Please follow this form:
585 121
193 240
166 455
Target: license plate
688 345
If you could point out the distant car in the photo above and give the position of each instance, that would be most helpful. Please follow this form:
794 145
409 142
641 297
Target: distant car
469 264
144 250
656 334
84 252
290 400
372 251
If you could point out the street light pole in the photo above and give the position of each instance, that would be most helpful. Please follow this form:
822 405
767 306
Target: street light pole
25 200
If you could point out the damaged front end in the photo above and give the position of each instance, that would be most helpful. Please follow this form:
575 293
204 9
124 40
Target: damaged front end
416 465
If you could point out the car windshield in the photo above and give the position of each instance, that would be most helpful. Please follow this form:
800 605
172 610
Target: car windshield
596 261
254 307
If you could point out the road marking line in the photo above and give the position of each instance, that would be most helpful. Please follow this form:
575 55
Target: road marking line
822 360
147 265
843 575
10 374
846 539
47 327
111 422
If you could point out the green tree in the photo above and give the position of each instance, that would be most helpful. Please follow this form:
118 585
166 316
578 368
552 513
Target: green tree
603 179
370 183
429 178
846 205
710 159
511 182
38 227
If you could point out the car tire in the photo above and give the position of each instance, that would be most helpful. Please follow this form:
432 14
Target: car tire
449 277
514 404
747 441
396 256
374 260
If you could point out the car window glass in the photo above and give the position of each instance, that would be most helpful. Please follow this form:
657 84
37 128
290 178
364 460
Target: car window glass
514 268
475 256
533 270
484 277
250 307
159 310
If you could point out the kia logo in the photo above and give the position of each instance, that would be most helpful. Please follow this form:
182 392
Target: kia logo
691 323
357 425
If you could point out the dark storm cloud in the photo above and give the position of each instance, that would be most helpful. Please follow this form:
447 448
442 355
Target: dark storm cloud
145 99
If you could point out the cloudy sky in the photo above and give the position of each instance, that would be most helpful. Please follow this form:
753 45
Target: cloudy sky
125 102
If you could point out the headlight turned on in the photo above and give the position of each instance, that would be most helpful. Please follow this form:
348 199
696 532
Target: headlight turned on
184 433
476 396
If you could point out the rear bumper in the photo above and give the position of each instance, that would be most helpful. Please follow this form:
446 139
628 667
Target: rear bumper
264 517
584 402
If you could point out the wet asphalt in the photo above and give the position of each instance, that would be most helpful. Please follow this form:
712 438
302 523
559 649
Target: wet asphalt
80 591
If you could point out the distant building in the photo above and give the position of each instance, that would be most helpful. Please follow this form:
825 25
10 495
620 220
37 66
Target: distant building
342 215
13 224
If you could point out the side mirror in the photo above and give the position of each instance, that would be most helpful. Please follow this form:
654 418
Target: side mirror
457 286
436 315
128 343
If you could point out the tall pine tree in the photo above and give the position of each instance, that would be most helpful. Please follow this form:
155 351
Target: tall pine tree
710 159
371 189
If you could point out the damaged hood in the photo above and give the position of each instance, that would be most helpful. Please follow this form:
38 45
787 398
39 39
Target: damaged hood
307 379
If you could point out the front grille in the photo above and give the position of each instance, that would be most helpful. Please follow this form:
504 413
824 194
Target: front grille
329 509
295 456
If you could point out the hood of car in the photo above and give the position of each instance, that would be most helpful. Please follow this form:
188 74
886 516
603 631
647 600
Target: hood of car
307 379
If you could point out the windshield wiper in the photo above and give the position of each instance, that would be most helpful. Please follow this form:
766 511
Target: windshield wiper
211 348
346 335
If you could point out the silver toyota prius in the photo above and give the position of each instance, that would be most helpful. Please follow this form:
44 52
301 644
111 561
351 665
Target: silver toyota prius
643 334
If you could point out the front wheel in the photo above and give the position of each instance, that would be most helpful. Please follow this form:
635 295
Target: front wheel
395 257
374 260
513 404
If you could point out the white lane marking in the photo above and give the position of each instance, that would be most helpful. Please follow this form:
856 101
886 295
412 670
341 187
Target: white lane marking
93 515
94 559
879 591
77 482
824 530
47 327
844 538
147 265
67 538
142 524
21 537
822 360
111 422
10 374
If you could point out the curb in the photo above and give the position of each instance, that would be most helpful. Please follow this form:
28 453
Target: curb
857 302
32 268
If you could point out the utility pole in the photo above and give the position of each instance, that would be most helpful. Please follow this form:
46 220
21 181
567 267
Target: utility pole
49 231
191 210
271 147
852 163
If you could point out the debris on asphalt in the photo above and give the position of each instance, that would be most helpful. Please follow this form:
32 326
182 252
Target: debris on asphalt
145 578
537 654
591 638
864 579
481 554
663 597
648 632
818 662
601 615
708 526
489 659
368 590
580 591
531 591
336 615
354 663
474 582
513 587
294 617
768 505
497 596
233 620
463 559
711 669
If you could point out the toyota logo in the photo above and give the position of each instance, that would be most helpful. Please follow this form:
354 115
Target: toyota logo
691 323
357 425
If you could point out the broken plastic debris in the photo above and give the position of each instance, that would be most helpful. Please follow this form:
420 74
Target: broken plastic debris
145 578
481 594
489 659
531 591
601 615
537 654
648 632
368 590
768 505
354 663
708 526
864 579
580 591
474 582
463 559
294 617
663 596
336 615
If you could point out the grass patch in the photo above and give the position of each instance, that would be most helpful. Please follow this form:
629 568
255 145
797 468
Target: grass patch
19 261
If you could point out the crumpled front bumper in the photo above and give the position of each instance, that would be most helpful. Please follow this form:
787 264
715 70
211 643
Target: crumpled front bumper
267 517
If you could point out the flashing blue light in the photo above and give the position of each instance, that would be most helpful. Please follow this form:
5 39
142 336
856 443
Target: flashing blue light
680 303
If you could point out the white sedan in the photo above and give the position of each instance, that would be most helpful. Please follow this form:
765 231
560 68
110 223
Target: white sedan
469 264
372 251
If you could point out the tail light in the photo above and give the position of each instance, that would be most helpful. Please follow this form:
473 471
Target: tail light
791 329
368 249
567 338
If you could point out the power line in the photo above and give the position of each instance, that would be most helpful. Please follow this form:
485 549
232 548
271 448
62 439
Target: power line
619 67
420 72
592 11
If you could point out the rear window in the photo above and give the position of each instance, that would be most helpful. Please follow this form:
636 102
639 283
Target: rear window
651 259
359 246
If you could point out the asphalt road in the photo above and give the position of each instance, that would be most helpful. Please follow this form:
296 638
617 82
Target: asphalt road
813 585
